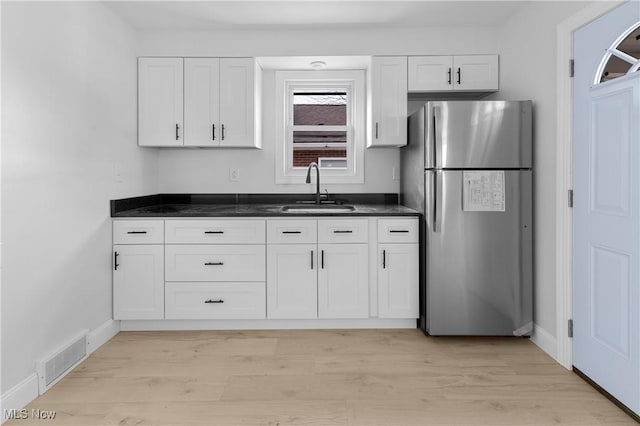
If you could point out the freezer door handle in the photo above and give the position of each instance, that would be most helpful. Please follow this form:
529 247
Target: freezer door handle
437 135
437 216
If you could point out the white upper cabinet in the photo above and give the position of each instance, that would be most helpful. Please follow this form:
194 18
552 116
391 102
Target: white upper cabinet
238 103
430 73
201 101
470 73
218 98
160 102
388 124
476 72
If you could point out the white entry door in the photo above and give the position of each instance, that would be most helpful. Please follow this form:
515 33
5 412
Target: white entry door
606 217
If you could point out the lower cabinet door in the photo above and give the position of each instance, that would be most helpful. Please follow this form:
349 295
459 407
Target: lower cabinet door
292 290
398 281
198 300
138 282
343 281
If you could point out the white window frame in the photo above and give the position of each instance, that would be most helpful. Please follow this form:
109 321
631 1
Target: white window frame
353 83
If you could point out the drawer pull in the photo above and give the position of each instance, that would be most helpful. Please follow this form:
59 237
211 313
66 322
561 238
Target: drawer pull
214 301
341 231
291 232
214 232
399 231
214 264
136 232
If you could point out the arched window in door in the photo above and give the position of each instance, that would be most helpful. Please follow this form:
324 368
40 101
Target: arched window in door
622 58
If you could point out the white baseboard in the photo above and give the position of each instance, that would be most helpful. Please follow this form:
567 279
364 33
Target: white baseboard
102 334
264 324
545 341
20 395
26 391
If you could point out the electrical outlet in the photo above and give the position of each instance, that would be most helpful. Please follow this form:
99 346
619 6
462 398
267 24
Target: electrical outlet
234 175
395 173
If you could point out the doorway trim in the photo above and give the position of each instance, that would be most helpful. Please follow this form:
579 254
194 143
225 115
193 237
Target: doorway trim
564 168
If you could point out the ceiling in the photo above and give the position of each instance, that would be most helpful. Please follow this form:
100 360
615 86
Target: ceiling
303 14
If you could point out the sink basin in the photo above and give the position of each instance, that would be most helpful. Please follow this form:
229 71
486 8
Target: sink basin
315 208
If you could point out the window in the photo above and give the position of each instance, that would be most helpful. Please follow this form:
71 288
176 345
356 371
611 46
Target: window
320 119
622 58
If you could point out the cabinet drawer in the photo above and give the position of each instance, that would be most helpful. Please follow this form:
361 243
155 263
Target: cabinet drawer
189 300
215 262
398 230
343 230
138 231
215 231
292 231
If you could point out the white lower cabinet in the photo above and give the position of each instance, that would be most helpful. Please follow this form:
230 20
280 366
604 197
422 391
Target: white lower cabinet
138 282
398 268
398 281
197 300
343 281
292 281
280 268
317 277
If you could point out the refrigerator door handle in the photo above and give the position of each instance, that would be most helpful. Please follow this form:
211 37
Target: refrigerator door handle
437 136
437 216
428 197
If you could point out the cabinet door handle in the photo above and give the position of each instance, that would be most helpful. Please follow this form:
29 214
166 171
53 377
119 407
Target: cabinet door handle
214 232
213 132
291 232
459 75
177 131
115 260
136 232
376 130
322 259
222 132
399 231
384 259
214 264
341 231
214 301
449 74
311 259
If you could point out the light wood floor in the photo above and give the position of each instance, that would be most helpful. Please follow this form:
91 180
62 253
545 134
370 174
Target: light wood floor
321 377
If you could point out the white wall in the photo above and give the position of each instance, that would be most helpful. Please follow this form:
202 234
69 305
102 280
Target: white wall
528 71
69 117
208 170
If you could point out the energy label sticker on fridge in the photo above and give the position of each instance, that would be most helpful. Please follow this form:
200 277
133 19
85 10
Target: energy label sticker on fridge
483 191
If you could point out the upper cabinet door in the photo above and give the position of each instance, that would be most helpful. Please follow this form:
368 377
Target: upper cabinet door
476 72
202 102
160 102
237 97
430 73
389 101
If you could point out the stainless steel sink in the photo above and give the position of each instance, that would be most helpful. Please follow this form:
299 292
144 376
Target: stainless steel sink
318 208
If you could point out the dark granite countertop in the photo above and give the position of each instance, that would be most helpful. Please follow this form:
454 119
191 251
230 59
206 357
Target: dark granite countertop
254 205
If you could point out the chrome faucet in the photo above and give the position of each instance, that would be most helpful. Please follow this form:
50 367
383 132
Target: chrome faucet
311 165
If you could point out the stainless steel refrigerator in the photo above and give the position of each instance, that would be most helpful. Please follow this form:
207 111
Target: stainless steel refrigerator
468 168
